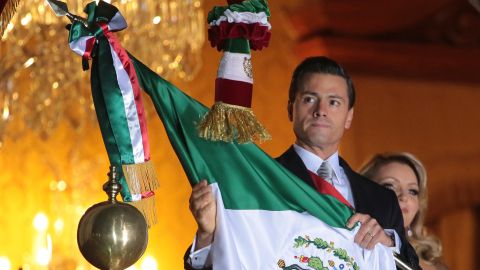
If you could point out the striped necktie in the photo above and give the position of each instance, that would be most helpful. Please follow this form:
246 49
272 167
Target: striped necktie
326 172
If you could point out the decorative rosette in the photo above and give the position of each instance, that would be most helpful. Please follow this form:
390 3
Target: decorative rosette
118 103
235 29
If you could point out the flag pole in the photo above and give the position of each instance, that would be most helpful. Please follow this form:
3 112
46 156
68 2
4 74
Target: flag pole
400 263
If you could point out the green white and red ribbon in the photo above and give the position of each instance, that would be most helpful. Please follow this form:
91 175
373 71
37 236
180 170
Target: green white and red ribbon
118 103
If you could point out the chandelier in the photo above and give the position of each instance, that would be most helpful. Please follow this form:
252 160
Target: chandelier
41 82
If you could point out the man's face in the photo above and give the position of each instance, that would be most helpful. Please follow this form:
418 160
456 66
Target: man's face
320 112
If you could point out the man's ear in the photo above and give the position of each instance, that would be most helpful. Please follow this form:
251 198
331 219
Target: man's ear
290 110
349 120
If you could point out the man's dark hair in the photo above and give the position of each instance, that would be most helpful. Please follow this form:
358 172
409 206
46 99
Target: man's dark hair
324 65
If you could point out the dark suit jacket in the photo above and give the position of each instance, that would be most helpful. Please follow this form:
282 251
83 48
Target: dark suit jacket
369 198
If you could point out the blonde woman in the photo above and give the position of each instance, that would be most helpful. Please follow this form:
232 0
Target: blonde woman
405 174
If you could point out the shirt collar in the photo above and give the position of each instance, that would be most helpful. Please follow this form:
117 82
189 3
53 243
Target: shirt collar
313 162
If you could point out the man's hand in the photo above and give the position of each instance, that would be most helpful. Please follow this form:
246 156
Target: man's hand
370 233
204 210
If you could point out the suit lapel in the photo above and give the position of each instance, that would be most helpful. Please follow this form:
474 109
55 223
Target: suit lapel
357 189
294 164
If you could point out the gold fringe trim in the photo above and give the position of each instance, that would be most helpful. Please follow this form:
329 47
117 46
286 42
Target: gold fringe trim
140 177
226 122
7 13
148 209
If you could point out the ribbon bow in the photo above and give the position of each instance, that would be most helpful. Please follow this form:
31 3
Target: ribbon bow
101 20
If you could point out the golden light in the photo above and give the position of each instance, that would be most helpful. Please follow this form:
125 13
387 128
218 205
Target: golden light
47 102
58 225
5 263
37 38
6 112
149 263
41 9
9 27
29 62
43 255
26 20
157 19
61 185
40 222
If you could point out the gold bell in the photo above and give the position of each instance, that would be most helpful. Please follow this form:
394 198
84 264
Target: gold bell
112 235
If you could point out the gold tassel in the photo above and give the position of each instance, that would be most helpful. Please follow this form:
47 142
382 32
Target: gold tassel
148 209
226 122
7 13
140 177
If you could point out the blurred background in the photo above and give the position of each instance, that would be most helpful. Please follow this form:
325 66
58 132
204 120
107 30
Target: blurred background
415 65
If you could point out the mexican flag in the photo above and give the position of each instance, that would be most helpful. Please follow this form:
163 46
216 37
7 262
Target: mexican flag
267 218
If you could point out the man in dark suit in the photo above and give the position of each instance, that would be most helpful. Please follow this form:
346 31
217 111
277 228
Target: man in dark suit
368 197
320 107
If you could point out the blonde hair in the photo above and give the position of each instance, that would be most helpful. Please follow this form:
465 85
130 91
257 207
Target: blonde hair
428 247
